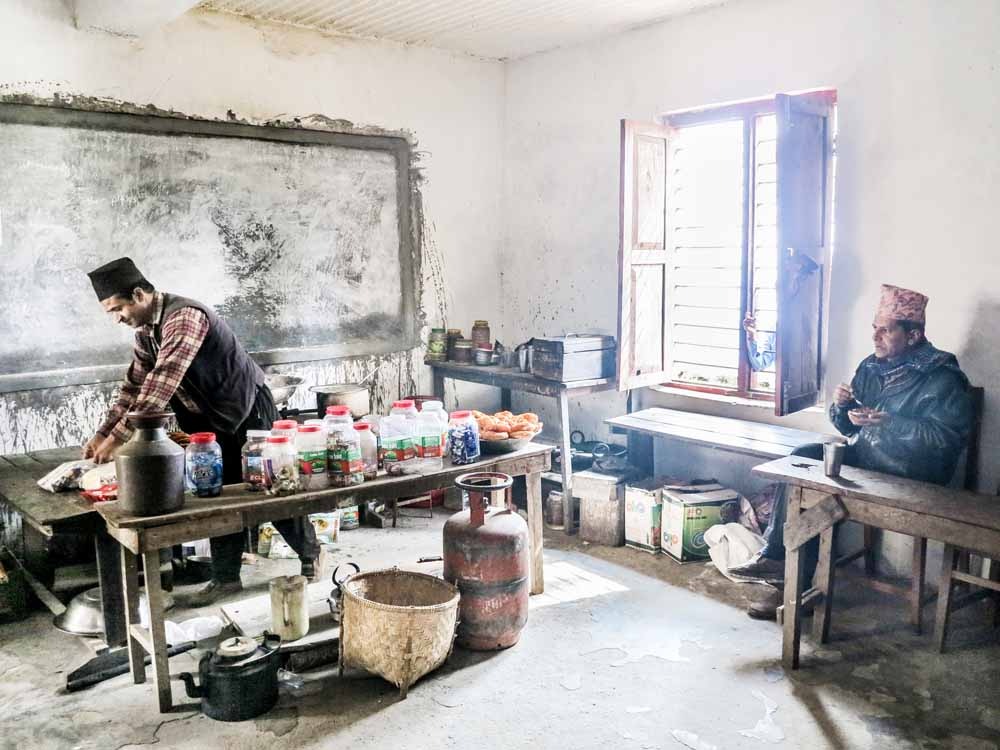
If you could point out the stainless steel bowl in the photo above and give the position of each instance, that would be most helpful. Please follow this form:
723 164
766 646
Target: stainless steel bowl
352 395
84 615
282 387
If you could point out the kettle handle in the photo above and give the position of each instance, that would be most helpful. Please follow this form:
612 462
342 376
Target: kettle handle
334 599
193 690
345 579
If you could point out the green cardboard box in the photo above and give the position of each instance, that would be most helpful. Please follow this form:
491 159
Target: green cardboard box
688 515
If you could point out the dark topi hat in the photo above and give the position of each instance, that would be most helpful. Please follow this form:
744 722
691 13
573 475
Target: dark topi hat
117 277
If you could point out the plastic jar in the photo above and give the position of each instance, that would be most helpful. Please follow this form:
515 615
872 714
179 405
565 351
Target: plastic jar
372 421
203 465
253 460
287 427
404 408
437 346
310 445
369 450
481 333
343 452
427 440
397 448
281 468
437 409
463 438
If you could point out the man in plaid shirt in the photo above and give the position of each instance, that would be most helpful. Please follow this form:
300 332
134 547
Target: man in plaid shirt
186 358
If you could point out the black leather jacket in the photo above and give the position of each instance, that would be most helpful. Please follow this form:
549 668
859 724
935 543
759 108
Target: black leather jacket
927 396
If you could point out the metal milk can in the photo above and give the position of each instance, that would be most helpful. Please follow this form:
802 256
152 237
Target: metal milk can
150 467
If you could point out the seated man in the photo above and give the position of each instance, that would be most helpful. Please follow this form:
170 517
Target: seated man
906 412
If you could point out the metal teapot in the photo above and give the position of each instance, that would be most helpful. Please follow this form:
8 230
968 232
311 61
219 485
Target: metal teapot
239 680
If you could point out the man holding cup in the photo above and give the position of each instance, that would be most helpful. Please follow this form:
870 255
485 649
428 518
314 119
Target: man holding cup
906 411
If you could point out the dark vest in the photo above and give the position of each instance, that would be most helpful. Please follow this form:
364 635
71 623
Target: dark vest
222 379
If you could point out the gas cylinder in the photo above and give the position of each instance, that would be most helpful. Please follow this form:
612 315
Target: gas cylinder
486 556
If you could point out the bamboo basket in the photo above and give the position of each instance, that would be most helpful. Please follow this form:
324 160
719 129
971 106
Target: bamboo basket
397 624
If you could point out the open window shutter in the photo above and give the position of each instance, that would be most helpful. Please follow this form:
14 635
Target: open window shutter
803 180
642 255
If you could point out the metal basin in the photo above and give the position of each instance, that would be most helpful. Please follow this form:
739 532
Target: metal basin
282 387
84 615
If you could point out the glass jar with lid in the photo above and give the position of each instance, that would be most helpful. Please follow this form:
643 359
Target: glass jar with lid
463 438
481 333
203 465
253 460
281 469
437 346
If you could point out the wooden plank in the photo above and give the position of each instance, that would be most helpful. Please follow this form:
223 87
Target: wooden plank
45 596
25 461
130 589
252 616
718 440
157 632
767 433
824 577
533 483
566 464
887 490
948 560
818 518
234 498
919 570
141 636
19 489
515 380
975 580
794 570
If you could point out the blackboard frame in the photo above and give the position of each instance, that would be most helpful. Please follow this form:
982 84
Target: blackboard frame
167 124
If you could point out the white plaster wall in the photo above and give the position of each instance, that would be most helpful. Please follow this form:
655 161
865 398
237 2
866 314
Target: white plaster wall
918 179
205 64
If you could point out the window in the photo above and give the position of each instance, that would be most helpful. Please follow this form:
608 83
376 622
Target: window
702 193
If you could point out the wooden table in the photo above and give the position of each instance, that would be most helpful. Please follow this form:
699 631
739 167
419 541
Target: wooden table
53 513
959 518
235 509
512 379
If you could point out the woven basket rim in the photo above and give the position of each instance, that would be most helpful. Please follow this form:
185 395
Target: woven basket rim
398 608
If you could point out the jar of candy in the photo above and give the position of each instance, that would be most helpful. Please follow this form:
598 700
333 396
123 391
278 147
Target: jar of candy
480 333
281 468
343 450
463 438
397 450
287 427
369 450
253 460
203 465
437 346
405 408
310 444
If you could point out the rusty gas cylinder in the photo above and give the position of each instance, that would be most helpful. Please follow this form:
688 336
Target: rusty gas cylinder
486 556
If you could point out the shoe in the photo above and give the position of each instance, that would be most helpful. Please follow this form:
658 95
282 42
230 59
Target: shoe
760 568
309 569
211 592
765 607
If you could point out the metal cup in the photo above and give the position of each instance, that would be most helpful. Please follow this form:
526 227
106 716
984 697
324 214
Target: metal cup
833 458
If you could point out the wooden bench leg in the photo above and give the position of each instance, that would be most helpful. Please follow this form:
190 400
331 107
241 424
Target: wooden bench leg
994 575
870 542
948 563
533 484
917 583
794 569
157 633
130 593
824 582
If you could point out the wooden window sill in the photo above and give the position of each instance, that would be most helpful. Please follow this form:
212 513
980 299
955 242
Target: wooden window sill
726 399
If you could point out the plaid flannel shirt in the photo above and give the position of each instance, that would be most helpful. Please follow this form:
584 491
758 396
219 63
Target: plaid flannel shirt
157 369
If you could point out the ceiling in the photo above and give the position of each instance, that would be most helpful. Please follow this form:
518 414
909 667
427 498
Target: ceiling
500 29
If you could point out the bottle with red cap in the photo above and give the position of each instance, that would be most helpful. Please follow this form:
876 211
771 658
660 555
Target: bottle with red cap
203 465
310 444
369 450
406 408
281 468
287 427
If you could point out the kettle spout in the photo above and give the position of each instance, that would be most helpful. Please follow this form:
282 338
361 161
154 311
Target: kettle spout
193 691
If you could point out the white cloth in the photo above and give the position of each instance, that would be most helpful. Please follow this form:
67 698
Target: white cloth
732 544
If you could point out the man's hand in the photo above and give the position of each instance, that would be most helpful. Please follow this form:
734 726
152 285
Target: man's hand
750 326
868 417
92 445
843 394
107 449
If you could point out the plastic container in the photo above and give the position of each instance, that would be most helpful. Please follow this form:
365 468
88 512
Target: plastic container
337 415
369 450
483 354
287 427
373 424
343 452
310 444
281 467
437 409
253 460
203 465
397 449
405 408
427 439
463 438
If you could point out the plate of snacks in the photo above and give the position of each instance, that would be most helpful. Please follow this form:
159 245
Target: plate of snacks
505 432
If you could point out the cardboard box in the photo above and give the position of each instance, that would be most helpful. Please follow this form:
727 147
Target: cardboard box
643 504
688 515
602 506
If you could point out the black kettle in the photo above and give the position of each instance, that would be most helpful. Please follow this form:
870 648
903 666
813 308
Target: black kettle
239 680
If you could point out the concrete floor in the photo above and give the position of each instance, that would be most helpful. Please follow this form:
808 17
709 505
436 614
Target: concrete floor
671 662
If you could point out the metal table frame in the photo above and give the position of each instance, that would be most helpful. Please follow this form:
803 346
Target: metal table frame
512 379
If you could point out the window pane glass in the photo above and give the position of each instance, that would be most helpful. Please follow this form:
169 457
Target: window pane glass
706 216
764 245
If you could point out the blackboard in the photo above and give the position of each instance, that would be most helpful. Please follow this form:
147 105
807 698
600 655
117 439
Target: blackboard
301 239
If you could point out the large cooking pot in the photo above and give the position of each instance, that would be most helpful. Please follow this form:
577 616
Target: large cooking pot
587 453
352 395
